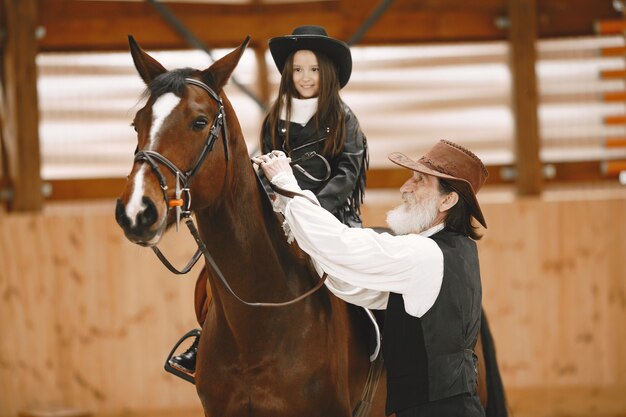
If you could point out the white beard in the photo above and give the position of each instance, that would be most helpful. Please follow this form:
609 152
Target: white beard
413 216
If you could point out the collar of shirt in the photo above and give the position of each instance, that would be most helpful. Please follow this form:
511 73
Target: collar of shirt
432 230
301 110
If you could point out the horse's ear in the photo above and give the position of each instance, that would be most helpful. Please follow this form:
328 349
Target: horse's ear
219 73
148 67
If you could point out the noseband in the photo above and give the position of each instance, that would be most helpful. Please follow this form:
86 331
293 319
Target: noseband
182 200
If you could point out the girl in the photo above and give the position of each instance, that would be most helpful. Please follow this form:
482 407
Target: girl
312 125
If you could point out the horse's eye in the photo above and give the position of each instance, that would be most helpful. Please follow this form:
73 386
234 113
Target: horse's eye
134 127
200 123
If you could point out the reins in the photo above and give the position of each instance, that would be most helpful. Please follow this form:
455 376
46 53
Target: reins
182 200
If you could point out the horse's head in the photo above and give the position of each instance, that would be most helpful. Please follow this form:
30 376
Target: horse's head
182 133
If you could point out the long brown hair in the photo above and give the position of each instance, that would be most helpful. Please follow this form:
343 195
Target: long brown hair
330 112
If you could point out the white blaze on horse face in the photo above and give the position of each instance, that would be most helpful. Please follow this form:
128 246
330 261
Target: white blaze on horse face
161 108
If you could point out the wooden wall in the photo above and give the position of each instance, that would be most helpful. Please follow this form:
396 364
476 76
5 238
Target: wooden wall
86 318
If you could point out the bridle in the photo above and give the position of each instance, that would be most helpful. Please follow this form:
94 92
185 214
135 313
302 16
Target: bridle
182 198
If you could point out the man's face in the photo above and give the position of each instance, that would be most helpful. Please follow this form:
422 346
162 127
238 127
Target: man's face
420 209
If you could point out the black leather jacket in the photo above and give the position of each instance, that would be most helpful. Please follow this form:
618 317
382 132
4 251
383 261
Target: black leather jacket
338 182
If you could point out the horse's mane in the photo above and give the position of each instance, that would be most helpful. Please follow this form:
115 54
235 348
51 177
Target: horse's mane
169 82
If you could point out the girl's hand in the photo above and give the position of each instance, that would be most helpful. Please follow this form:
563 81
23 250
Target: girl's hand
273 163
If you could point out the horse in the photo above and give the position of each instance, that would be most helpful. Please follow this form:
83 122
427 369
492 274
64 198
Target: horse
304 358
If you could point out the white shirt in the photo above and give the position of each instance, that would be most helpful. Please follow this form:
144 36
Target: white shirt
301 110
364 266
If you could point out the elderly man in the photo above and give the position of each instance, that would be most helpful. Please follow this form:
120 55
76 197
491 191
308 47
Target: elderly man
427 276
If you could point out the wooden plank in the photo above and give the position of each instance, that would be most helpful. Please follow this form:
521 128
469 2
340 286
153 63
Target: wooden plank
3 166
86 189
522 37
616 120
377 179
613 168
21 133
616 142
610 27
104 25
262 74
613 51
614 96
77 297
567 18
613 74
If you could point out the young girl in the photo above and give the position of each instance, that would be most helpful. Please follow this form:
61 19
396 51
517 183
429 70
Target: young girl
316 129
312 125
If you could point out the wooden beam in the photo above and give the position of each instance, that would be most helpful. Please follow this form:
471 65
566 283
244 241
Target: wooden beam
610 51
613 168
615 142
615 120
104 25
614 96
262 74
567 18
379 178
522 35
613 74
21 121
610 27
86 189
4 174
73 25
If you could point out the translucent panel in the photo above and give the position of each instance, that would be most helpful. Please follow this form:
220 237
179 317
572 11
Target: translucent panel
88 102
572 111
405 97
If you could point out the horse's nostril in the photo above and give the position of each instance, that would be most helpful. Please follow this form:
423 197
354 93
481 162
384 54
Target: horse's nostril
149 215
120 215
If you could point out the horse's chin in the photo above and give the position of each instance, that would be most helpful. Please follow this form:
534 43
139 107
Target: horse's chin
148 240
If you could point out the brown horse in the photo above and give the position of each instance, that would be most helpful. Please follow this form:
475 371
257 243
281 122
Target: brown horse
306 359
309 358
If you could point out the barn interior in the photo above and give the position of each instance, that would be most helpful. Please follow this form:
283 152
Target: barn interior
536 88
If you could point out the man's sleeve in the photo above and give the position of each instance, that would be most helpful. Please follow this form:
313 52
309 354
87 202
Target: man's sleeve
362 259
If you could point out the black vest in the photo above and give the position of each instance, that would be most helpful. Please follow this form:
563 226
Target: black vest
432 357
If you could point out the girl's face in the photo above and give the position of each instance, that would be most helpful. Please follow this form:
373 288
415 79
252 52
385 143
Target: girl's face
306 74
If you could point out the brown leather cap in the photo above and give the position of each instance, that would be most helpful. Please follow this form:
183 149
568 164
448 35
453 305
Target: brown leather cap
458 165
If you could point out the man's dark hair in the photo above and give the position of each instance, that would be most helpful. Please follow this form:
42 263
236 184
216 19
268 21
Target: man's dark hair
459 218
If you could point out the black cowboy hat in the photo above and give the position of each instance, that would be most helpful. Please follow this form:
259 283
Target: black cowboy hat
454 163
313 38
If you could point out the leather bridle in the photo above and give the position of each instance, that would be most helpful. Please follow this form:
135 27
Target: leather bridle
182 200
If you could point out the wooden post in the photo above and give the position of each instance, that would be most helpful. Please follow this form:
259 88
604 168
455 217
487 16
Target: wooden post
262 73
21 121
522 37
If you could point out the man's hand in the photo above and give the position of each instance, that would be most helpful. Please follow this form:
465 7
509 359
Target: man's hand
273 163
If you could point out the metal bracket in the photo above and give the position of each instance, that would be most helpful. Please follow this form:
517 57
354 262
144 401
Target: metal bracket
510 173
502 22
7 193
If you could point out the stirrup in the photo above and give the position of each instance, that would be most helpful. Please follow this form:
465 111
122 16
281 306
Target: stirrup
179 373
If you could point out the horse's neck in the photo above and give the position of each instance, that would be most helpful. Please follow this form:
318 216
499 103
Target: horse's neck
238 217
247 242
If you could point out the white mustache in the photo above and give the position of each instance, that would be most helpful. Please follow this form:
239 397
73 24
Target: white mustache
408 198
